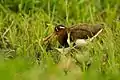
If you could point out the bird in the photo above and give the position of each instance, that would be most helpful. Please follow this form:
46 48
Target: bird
78 35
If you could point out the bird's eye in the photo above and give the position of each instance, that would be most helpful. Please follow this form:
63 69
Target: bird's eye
59 27
56 29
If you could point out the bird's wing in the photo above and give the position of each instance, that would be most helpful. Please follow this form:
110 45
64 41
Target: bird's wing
79 33
83 31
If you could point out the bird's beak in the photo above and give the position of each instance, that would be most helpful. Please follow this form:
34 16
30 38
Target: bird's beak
49 37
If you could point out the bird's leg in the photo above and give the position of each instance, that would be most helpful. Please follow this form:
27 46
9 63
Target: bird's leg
63 50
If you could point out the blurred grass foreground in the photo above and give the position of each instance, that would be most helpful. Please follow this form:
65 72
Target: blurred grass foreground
24 23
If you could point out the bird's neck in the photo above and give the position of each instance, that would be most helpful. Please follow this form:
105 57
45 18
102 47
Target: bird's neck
62 38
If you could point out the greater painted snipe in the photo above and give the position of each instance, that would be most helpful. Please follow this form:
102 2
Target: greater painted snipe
75 33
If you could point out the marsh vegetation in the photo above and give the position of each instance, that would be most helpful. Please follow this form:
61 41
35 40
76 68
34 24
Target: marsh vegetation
24 23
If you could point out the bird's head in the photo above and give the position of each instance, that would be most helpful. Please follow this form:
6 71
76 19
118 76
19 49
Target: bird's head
59 29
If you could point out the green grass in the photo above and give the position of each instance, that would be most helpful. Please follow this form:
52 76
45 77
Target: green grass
24 23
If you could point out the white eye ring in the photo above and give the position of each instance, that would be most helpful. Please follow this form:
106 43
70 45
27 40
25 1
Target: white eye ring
62 27
56 29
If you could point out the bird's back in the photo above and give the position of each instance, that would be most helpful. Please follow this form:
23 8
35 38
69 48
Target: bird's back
83 31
